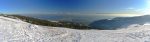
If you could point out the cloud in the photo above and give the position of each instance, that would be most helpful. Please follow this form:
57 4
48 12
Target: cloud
130 8
144 11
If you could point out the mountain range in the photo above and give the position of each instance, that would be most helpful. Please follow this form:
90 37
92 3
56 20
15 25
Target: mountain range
16 30
120 22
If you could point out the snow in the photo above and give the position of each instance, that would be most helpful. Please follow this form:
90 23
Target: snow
14 30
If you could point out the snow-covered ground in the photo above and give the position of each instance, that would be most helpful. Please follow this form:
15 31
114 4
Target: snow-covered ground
14 30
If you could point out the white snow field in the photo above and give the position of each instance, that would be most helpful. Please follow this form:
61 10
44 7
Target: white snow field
15 30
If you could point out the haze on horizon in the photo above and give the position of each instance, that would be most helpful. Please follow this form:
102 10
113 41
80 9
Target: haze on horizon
120 7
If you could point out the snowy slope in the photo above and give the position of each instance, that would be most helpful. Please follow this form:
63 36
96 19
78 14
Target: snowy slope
13 30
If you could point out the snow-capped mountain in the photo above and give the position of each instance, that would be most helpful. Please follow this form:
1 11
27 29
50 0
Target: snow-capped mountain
14 30
120 22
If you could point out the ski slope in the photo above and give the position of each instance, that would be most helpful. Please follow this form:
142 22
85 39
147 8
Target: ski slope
15 30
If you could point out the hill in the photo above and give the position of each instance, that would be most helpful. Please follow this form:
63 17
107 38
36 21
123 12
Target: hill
48 23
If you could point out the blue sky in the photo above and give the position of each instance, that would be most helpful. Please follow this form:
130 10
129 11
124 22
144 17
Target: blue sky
49 6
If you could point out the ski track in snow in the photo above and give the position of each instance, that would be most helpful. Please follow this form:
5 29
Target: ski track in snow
13 30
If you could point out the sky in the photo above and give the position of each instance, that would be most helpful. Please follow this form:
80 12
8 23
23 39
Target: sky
58 6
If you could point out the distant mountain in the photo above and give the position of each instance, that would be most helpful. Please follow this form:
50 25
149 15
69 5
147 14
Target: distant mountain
120 22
